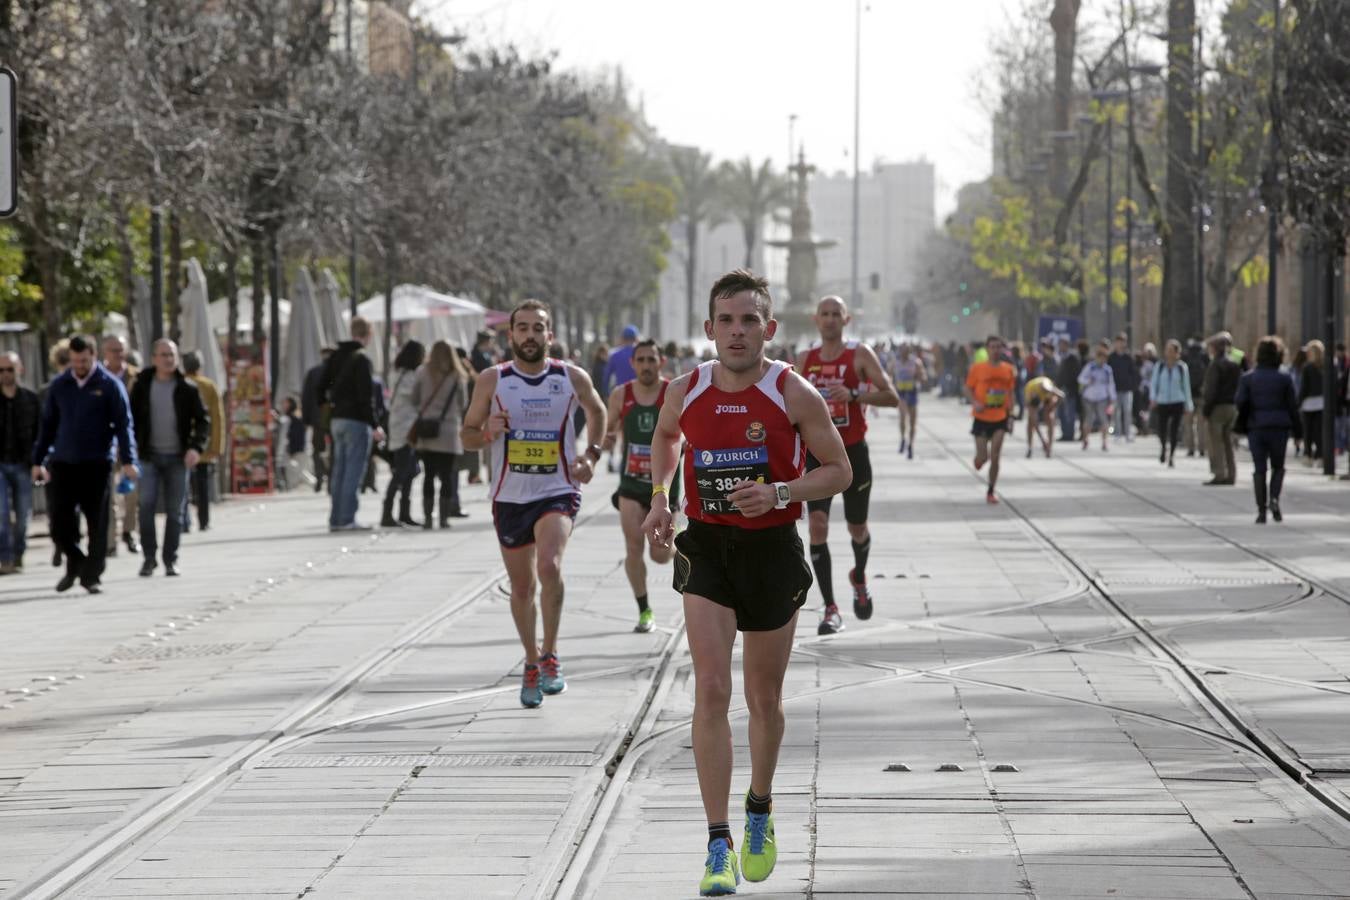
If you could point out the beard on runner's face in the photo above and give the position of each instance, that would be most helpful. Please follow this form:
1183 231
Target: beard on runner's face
529 350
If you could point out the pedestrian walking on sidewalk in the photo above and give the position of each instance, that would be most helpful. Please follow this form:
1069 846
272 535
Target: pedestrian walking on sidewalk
124 508
1066 379
1126 375
1220 397
403 416
441 393
1171 399
204 474
85 424
1312 402
172 429
1268 414
19 412
348 387
740 564
522 410
1193 423
315 414
1097 387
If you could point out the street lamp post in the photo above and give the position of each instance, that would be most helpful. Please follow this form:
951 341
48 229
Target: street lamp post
1131 71
857 109
1272 177
1109 96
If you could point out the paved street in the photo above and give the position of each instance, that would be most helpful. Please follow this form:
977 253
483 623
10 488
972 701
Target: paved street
1112 685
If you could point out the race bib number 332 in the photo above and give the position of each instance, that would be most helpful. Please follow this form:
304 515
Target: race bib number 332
532 452
718 471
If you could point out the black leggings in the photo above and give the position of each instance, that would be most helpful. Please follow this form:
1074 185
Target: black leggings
1169 424
1312 434
440 466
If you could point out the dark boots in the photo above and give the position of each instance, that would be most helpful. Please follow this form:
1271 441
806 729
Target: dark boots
405 512
1259 483
1276 485
387 519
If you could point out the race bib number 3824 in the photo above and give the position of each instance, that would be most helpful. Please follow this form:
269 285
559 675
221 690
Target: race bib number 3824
718 471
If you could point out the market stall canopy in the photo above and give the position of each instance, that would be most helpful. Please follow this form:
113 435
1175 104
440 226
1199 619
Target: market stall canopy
220 313
332 308
426 315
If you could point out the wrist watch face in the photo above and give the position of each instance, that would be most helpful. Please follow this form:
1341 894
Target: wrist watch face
784 495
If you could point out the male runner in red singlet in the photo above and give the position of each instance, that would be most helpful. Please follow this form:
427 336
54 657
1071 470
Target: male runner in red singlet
522 410
740 564
839 369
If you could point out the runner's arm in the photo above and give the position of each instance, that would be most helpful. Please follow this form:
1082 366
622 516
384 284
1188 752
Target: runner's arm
883 391
590 401
659 524
475 432
614 421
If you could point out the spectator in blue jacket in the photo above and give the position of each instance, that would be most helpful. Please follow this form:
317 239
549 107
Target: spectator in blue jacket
85 410
1268 412
1170 396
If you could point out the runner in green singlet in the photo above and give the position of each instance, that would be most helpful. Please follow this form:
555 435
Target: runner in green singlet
633 410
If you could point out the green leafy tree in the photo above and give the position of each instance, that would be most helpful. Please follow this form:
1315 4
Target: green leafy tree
750 194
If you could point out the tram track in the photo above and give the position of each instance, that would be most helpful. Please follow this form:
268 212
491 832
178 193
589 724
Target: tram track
1220 707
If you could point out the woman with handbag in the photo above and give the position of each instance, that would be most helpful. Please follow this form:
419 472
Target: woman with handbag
1268 413
441 393
402 416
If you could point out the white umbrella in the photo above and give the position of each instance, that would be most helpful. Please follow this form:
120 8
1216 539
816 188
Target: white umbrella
331 309
304 337
220 313
141 330
196 331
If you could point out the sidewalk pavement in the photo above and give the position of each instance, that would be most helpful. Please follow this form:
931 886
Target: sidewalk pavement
336 715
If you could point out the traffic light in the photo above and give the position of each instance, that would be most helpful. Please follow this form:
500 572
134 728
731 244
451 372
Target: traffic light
965 310
963 287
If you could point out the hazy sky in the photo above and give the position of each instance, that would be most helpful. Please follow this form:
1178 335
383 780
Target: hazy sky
725 74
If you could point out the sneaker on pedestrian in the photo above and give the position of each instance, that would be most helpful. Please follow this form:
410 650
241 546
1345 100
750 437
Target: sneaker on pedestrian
551 679
7 568
530 694
646 621
759 853
147 568
831 622
991 498
862 597
721 873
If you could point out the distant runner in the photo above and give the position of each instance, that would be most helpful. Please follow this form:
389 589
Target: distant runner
523 410
1041 398
838 369
910 378
989 386
740 564
633 408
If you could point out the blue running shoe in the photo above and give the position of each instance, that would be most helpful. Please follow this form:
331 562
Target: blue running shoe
721 874
530 694
550 674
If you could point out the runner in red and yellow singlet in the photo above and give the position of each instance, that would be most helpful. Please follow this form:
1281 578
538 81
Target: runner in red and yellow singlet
839 369
989 388
740 564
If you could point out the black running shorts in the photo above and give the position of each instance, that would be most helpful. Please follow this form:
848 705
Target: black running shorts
515 521
858 495
981 428
760 574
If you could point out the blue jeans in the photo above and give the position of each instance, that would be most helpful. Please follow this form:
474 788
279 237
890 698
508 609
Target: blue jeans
351 451
168 473
1068 418
16 498
1124 414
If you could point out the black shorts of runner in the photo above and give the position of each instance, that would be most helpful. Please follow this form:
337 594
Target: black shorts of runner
644 498
858 495
515 521
759 574
982 429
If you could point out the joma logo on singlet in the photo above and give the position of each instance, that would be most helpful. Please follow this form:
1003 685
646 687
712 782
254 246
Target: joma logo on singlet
729 408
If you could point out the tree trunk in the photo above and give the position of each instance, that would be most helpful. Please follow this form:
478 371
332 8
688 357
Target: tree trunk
47 258
1064 21
690 273
1180 305
127 272
258 256
231 300
750 229
173 283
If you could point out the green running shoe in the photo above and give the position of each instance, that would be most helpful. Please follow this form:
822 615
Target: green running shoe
759 853
720 872
646 622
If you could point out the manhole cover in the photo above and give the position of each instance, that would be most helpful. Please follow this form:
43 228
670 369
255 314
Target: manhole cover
428 760
169 651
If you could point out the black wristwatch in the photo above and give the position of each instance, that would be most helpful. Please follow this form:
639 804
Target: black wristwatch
855 394
593 453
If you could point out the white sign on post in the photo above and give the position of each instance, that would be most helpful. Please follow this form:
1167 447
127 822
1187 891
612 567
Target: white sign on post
9 143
